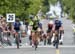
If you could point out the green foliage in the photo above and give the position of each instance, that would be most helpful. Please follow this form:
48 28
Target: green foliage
22 8
69 8
46 5
53 1
34 7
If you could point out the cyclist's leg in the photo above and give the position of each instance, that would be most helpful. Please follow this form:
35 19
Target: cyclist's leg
57 39
18 36
61 36
49 37
17 42
17 39
8 38
37 40
36 44
33 38
60 33
45 41
55 42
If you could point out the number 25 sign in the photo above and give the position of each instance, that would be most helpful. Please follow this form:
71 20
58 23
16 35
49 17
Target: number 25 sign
10 17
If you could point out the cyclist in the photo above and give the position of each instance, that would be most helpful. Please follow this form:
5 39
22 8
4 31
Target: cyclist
58 25
49 31
17 29
35 38
33 33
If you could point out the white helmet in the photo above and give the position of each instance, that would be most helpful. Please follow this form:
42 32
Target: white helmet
51 22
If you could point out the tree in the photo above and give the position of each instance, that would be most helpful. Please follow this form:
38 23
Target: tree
69 8
22 8
46 5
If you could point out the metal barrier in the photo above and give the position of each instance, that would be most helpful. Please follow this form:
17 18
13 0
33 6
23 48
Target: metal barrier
8 39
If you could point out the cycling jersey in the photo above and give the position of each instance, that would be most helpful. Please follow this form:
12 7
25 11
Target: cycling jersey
58 24
50 26
17 26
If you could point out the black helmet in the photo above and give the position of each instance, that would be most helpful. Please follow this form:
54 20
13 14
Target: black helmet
17 19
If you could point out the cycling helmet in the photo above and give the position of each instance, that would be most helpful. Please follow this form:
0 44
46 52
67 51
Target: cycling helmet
51 22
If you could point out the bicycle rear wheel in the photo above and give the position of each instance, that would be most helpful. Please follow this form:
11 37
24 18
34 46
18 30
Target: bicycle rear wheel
57 39
17 42
36 45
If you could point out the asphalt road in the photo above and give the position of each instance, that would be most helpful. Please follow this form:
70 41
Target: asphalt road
69 38
38 51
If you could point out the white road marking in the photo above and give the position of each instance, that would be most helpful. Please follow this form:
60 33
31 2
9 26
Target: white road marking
60 46
57 51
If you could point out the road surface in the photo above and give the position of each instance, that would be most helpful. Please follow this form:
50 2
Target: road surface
39 51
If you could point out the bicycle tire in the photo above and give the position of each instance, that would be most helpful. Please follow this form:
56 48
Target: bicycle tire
57 40
35 47
17 42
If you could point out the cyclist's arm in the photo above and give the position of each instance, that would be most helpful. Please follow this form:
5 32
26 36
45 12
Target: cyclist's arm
53 29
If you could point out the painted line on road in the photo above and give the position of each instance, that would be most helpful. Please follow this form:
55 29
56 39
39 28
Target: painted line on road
57 51
61 46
